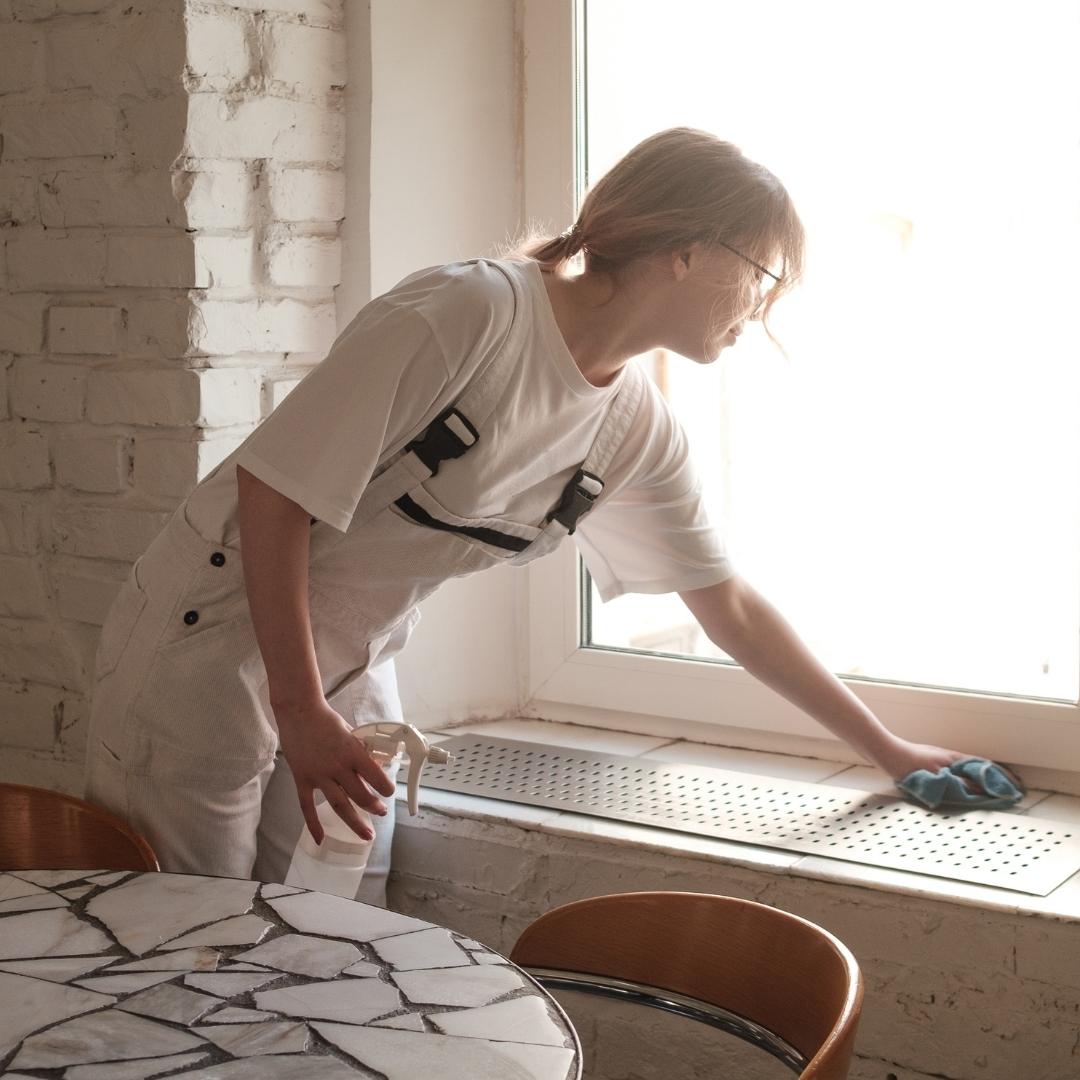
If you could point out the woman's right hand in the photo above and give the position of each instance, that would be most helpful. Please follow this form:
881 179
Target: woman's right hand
324 755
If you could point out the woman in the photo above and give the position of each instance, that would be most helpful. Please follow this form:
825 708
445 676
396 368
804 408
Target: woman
475 415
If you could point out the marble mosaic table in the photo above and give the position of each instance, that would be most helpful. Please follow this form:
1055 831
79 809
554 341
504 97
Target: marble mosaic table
127 976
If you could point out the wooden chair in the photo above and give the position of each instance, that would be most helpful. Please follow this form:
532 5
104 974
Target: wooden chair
767 976
45 830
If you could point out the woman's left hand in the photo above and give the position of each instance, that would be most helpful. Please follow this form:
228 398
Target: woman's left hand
900 757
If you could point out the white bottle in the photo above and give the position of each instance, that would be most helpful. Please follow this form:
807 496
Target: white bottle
337 864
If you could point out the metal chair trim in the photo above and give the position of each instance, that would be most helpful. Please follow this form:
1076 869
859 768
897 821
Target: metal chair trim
690 1008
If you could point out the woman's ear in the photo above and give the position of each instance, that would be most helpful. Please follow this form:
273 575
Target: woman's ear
681 260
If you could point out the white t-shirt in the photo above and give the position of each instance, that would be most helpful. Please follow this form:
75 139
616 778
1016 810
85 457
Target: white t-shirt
408 355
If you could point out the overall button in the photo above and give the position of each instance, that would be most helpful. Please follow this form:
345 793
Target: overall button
191 617
217 559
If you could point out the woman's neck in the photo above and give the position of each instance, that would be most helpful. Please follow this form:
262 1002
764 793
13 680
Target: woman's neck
603 326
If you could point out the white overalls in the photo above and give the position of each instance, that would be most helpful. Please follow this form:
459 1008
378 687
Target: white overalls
182 738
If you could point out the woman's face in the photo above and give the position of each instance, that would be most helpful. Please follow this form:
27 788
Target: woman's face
710 301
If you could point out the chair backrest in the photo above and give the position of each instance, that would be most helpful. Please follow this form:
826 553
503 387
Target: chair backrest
45 830
767 966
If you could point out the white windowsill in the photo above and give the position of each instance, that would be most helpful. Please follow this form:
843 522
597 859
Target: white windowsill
1063 903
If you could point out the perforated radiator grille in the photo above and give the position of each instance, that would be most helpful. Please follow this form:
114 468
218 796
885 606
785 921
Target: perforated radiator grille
988 847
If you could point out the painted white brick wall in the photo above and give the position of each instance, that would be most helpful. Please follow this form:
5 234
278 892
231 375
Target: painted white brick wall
171 188
951 990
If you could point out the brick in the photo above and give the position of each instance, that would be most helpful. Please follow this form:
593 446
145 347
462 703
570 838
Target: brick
22 322
224 261
38 652
23 592
71 129
160 328
90 464
29 715
218 198
307 194
85 590
38 259
264 128
218 56
125 197
151 131
305 260
212 397
305 60
276 392
165 396
21 53
46 770
225 327
5 379
149 261
24 458
87 331
140 54
19 524
106 532
174 466
18 200
44 391
166 466
228 396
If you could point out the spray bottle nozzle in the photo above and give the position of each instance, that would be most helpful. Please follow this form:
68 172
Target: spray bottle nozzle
389 739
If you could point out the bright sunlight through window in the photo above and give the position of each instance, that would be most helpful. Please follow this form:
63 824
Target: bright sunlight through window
905 485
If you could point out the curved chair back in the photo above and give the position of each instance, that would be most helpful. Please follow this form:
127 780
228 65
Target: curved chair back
769 977
45 830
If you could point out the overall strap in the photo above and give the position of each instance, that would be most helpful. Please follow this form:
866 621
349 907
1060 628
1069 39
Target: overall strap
585 486
454 430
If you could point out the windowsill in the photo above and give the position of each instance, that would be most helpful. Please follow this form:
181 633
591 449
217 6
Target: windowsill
1062 904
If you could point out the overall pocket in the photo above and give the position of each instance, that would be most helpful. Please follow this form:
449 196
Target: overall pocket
198 717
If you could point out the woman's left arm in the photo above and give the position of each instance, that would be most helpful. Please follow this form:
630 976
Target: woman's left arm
752 632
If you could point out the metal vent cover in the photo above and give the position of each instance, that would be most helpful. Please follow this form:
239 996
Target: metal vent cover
1017 852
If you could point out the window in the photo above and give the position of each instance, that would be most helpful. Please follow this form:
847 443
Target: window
904 485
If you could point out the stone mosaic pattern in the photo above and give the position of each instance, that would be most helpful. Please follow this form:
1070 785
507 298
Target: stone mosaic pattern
128 976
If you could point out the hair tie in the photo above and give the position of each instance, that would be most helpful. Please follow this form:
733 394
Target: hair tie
572 235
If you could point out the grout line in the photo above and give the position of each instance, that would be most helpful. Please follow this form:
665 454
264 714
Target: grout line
839 772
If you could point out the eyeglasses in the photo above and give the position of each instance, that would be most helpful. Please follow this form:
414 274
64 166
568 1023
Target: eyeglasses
763 289
756 265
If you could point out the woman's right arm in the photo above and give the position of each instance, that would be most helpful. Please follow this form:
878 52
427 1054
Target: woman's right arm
274 543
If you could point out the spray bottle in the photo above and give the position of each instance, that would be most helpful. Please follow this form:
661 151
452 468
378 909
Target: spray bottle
337 864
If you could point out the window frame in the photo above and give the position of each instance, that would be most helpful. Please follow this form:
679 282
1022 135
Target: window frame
687 698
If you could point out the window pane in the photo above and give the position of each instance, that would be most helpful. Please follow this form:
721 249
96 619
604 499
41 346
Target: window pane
904 486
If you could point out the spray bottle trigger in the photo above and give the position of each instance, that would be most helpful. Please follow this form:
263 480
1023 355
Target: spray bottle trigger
388 739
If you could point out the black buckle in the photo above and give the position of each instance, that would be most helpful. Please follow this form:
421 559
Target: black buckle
576 500
440 442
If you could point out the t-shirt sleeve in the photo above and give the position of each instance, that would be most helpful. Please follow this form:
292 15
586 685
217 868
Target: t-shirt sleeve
381 381
652 534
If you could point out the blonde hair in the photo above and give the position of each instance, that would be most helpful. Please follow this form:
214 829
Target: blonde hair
677 188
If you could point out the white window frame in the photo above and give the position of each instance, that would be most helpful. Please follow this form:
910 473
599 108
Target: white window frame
690 698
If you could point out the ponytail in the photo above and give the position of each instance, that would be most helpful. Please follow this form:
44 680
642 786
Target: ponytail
553 254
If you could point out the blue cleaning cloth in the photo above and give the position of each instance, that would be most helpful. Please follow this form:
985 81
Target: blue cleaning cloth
946 786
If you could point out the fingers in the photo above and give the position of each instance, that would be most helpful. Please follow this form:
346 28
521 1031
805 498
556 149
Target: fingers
306 795
371 771
360 793
345 809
